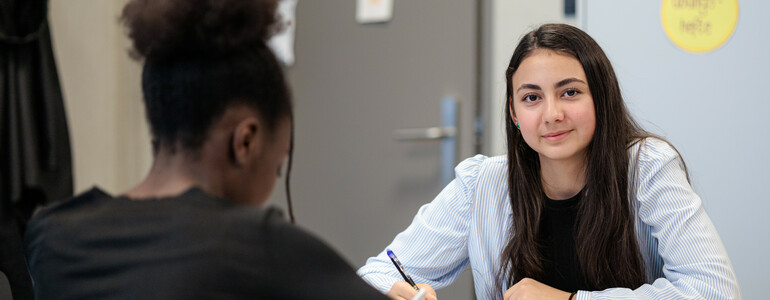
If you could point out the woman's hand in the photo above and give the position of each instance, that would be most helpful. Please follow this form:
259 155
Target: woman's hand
402 290
528 288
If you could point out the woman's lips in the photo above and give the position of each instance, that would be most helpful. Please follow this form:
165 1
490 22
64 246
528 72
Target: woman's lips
556 136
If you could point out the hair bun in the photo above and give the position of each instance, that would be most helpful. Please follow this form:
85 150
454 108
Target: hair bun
179 28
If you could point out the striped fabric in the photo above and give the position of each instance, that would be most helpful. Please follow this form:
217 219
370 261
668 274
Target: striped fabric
466 225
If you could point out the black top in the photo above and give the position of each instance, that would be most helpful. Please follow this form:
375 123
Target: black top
192 246
557 245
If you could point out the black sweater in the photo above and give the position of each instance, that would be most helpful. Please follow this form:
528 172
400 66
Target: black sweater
192 246
557 245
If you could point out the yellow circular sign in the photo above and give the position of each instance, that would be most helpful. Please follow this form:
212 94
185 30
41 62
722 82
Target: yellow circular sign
699 25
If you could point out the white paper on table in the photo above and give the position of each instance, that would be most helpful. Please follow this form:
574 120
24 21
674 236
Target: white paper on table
283 42
374 11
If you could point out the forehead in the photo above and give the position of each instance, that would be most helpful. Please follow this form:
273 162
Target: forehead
543 66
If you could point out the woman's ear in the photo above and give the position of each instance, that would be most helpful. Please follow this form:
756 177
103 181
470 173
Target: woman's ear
511 111
248 140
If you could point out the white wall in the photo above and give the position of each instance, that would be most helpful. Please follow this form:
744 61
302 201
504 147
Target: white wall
102 95
712 107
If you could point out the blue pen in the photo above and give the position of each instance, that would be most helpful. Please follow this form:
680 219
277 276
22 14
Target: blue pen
400 269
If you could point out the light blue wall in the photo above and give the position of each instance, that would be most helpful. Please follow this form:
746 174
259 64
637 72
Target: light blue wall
714 107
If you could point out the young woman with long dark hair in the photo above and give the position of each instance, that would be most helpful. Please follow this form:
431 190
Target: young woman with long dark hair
586 204
220 115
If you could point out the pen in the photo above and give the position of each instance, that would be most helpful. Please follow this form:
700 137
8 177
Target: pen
400 269
420 295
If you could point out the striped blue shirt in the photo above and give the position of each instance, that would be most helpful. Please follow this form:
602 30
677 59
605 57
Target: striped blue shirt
466 226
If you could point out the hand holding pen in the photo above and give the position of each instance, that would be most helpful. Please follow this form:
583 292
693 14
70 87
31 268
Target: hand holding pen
407 289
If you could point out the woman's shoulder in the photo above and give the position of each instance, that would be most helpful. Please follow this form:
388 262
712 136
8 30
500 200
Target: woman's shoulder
482 164
652 150
74 207
482 172
258 224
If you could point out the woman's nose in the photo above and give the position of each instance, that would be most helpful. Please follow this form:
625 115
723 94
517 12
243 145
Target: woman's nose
553 111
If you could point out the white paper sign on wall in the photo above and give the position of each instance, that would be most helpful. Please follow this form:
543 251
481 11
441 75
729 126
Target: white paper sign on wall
374 11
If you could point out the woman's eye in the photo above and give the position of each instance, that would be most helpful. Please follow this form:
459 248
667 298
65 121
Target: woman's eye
571 93
530 98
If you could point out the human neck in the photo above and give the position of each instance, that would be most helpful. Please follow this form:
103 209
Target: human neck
562 179
172 173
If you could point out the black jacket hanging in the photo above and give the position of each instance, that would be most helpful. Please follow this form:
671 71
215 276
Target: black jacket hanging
35 159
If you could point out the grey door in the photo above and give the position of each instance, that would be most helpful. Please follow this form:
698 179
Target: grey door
354 84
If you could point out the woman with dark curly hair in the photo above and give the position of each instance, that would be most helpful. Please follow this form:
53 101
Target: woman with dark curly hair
220 115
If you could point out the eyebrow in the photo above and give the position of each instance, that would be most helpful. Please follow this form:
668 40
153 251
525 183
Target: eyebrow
558 84
528 86
568 81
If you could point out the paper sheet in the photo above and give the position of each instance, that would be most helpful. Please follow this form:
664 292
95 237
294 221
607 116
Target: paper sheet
374 11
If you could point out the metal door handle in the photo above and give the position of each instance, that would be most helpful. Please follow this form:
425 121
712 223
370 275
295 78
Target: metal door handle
430 133
447 133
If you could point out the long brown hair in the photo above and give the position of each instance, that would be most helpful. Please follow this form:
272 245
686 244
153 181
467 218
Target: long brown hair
605 240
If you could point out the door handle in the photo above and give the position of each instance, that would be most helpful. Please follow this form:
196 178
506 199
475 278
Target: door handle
419 134
446 133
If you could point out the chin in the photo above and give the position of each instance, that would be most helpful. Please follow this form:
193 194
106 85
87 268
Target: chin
558 154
